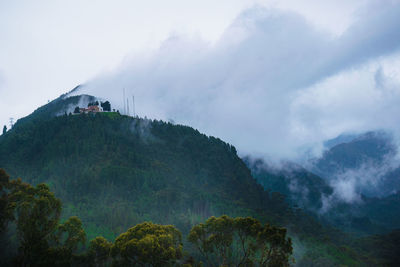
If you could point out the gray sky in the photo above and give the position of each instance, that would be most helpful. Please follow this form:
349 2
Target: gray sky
271 77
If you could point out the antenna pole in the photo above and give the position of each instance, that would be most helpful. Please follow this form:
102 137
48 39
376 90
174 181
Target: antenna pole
133 105
123 101
127 104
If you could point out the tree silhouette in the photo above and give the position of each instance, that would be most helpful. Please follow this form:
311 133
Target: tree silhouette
106 106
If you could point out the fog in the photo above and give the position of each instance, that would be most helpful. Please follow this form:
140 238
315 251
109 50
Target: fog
273 85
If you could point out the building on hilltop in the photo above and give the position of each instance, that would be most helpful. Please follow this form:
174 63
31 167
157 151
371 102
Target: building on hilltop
94 107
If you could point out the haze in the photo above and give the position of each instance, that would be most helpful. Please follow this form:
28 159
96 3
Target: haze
274 78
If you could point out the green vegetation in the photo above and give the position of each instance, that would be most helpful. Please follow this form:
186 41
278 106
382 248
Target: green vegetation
148 244
226 241
43 241
35 214
384 249
115 171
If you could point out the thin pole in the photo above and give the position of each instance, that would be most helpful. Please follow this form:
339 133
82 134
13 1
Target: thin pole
133 105
127 104
123 101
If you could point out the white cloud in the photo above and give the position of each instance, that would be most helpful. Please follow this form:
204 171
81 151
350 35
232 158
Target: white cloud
272 84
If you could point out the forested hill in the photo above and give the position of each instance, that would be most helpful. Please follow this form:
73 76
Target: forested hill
115 171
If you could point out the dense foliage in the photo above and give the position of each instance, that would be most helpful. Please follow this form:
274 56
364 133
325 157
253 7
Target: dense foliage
226 241
114 170
148 244
43 241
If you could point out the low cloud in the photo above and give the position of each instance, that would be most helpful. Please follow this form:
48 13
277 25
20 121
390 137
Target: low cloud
371 179
273 84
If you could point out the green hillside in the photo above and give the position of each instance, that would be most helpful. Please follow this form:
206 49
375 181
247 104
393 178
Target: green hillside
115 171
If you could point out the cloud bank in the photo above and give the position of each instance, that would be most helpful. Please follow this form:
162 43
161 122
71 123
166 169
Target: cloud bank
273 85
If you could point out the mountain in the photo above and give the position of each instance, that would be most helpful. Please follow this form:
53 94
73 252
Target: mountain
301 187
105 162
370 164
371 219
341 139
369 154
114 171
363 166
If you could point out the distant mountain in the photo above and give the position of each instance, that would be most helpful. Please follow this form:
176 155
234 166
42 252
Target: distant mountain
308 191
301 187
370 148
369 159
365 163
341 139
368 163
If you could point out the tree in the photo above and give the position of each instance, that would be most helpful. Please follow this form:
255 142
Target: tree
4 129
67 236
225 241
36 213
147 244
71 233
42 241
106 106
76 110
99 251
273 246
5 211
5 218
214 239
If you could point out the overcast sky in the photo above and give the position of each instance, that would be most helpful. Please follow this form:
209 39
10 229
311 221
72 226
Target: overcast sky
270 77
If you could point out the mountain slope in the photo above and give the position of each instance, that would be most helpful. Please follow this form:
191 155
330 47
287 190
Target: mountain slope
370 149
366 162
135 170
115 171
301 187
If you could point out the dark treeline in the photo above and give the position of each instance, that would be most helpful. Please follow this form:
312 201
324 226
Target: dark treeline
41 239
